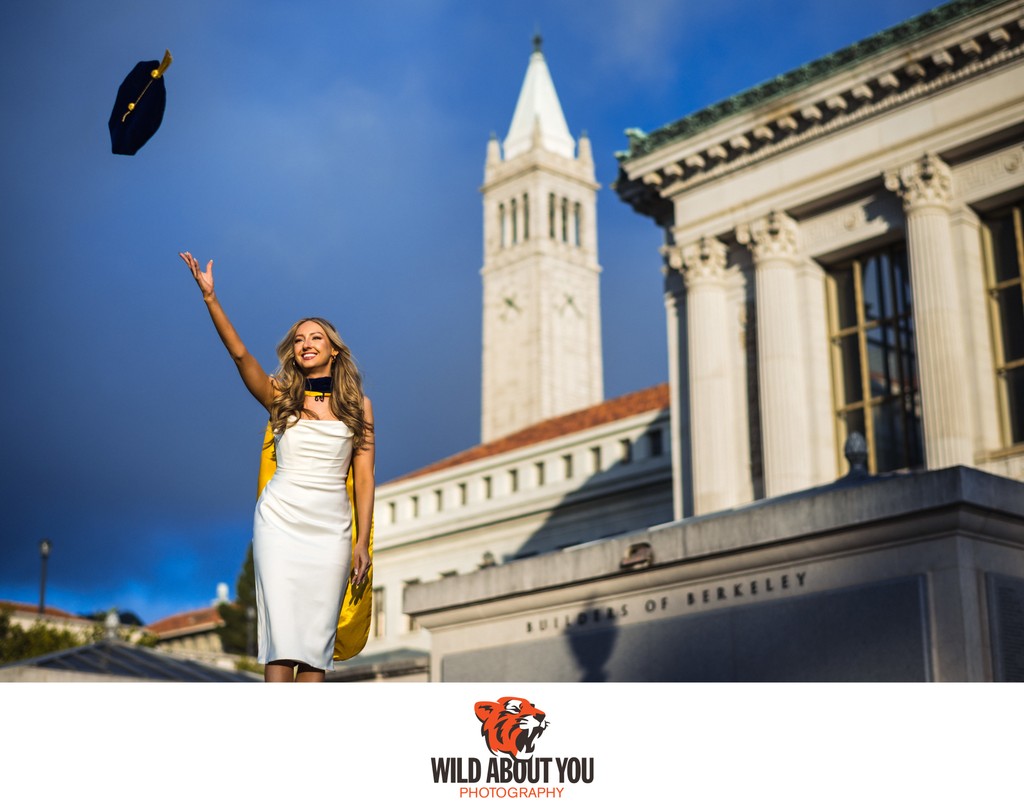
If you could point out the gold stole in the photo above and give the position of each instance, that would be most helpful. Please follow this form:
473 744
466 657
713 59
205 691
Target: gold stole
356 611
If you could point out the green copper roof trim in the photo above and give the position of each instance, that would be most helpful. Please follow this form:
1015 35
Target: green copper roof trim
641 143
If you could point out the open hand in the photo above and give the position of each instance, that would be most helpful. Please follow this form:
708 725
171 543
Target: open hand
204 279
360 564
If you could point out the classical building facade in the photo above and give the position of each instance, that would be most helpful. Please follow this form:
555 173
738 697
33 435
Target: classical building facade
558 465
843 253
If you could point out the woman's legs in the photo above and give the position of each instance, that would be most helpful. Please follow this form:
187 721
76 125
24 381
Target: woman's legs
284 670
307 673
280 670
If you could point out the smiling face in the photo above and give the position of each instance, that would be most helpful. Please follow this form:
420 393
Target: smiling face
313 349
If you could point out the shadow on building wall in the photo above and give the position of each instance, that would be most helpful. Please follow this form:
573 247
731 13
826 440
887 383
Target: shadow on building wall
627 494
591 647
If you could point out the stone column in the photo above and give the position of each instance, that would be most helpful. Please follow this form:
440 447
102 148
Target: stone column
679 390
926 188
785 414
966 230
712 411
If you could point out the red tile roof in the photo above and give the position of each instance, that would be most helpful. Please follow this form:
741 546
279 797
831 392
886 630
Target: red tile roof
50 611
185 622
635 403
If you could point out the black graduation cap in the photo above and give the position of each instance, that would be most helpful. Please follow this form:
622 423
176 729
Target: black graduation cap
139 107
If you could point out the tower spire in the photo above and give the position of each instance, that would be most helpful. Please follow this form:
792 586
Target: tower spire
538 105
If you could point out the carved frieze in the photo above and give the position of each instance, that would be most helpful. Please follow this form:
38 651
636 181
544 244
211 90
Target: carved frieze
990 175
849 224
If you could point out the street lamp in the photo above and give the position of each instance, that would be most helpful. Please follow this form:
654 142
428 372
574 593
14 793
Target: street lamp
44 554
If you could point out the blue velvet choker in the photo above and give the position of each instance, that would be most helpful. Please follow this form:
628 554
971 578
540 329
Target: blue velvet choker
320 387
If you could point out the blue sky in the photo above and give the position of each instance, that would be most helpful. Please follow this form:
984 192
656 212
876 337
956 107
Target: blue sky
328 156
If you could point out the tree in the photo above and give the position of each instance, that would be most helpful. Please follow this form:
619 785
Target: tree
18 643
237 635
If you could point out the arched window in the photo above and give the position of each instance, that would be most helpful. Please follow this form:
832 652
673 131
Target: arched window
565 219
576 223
551 216
515 223
501 225
526 217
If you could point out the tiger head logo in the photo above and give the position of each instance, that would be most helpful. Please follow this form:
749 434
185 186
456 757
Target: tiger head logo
511 725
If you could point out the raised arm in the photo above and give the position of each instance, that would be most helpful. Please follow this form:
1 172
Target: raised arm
256 380
362 493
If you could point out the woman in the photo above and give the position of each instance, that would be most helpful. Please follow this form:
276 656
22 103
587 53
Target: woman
302 546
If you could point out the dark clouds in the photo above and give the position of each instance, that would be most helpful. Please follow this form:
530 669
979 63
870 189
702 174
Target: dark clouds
328 157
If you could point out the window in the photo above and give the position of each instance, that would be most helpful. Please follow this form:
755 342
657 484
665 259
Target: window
567 463
513 480
410 621
654 447
463 494
488 490
576 223
551 215
1004 256
874 366
501 224
595 456
392 512
438 500
380 626
626 447
415 502
515 223
540 473
526 217
565 219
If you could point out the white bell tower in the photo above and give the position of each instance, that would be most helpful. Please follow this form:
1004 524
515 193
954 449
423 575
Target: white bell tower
542 313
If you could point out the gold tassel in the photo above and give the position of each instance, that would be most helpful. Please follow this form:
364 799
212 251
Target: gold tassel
164 64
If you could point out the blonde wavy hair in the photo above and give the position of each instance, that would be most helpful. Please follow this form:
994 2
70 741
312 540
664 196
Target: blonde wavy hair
347 394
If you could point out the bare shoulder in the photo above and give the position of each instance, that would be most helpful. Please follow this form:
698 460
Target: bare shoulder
367 407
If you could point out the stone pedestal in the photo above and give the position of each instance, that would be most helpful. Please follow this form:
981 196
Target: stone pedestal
907 577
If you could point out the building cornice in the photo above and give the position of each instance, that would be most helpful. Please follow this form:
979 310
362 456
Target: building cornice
898 66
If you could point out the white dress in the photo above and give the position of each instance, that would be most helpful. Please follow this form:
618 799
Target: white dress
302 544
